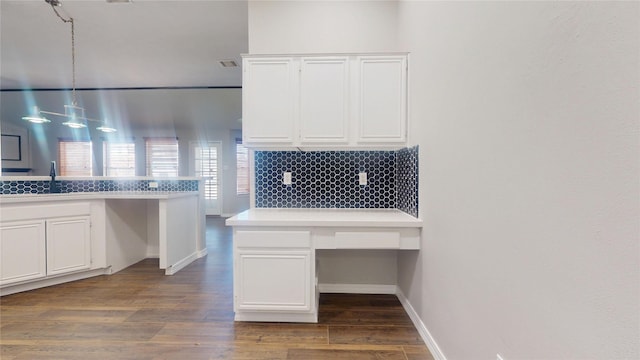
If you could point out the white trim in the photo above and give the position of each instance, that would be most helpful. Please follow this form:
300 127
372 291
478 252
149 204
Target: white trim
202 253
172 269
357 288
421 327
276 316
12 289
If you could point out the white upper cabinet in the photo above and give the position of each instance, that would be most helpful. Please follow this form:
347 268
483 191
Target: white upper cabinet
268 94
382 99
325 101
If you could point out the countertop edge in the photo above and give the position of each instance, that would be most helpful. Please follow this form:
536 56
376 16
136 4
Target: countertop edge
325 217
27 198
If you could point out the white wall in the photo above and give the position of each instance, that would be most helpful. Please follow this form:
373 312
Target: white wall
527 118
189 114
285 27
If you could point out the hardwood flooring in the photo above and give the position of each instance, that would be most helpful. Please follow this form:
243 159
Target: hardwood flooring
139 313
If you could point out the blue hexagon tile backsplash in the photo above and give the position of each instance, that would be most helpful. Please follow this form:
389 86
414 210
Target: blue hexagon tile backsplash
329 179
320 179
71 186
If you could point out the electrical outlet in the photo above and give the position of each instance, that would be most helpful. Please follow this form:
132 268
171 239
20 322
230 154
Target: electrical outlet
153 185
286 178
362 178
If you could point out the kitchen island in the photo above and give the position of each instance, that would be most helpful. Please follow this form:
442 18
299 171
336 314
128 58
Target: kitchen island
47 239
274 254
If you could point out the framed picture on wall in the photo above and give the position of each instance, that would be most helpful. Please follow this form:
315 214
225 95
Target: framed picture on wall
11 147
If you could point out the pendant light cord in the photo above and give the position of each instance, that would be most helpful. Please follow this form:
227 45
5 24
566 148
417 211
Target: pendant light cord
73 54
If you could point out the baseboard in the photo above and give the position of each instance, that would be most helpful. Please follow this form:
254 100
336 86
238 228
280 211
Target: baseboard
32 285
202 253
420 326
357 288
172 269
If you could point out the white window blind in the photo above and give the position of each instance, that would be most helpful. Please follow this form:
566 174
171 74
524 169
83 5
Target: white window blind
206 164
242 168
162 157
119 158
75 158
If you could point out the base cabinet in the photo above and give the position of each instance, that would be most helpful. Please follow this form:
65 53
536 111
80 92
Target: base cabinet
274 276
22 251
45 247
68 245
274 280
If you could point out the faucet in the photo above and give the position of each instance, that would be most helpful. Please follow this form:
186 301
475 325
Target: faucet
53 186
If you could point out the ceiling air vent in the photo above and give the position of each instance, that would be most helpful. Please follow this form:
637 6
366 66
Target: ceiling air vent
228 63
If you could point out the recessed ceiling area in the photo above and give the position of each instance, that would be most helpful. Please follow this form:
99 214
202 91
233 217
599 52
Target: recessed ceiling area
136 45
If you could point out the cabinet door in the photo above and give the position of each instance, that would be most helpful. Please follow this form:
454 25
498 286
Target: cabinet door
324 99
268 101
22 251
273 280
382 99
68 245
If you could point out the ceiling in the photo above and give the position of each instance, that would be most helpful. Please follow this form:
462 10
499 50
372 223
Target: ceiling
141 44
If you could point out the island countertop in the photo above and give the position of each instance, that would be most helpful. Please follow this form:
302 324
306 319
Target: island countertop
24 198
324 217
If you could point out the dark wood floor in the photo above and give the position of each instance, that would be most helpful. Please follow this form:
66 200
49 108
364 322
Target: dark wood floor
139 313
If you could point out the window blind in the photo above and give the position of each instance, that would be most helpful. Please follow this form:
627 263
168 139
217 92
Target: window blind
119 158
162 157
75 158
242 168
206 166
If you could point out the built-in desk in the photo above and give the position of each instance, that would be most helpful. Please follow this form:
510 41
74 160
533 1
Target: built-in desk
274 254
48 239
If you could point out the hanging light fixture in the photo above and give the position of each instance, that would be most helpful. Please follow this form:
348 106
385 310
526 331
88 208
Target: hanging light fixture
73 113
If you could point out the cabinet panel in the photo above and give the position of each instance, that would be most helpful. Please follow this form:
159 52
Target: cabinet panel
324 99
367 239
268 113
272 239
273 281
68 245
22 251
382 87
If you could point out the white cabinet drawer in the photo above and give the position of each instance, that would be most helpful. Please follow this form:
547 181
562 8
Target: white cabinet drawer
44 210
367 240
273 239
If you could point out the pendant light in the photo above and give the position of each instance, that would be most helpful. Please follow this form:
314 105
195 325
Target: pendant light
73 113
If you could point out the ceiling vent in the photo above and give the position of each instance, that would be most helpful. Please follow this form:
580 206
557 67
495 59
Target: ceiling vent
228 63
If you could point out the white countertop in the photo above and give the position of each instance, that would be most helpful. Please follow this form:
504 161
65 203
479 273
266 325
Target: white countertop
324 217
24 198
85 178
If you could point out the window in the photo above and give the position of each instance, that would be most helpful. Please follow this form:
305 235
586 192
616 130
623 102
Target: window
162 157
206 166
242 168
76 158
119 158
